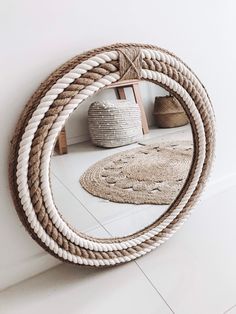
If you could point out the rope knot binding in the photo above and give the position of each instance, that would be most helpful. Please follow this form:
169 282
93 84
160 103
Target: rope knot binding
130 63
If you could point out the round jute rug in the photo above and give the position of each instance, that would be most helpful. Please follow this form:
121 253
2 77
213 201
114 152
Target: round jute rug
152 174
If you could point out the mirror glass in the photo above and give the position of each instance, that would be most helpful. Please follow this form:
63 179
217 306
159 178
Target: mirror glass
121 159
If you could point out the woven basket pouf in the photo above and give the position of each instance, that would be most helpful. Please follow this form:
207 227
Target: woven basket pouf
169 113
114 123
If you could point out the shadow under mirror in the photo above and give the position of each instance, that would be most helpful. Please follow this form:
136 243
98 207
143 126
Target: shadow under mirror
121 160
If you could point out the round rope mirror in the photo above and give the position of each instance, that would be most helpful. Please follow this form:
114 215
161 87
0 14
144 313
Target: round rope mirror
44 117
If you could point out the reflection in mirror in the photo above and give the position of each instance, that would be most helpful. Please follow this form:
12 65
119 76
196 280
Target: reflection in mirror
121 160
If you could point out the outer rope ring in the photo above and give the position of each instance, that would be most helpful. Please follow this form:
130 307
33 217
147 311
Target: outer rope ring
44 117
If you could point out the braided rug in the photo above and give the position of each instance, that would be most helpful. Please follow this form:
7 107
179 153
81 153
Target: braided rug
46 113
152 174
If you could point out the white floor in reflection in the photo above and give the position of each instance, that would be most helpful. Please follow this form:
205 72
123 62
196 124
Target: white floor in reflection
96 216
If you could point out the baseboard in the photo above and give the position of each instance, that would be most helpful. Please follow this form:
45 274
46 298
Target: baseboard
29 267
41 262
216 186
78 139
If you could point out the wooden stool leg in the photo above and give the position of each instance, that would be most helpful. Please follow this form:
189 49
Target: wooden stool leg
138 99
61 145
121 92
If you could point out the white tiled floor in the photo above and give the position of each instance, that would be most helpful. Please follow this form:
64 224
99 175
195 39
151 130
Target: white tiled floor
70 289
231 310
85 211
193 272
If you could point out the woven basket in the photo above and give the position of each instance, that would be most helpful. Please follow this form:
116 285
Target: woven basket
114 123
169 113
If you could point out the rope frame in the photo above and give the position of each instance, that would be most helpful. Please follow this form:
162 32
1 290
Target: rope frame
45 115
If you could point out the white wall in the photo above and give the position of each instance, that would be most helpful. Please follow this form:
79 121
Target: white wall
38 36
